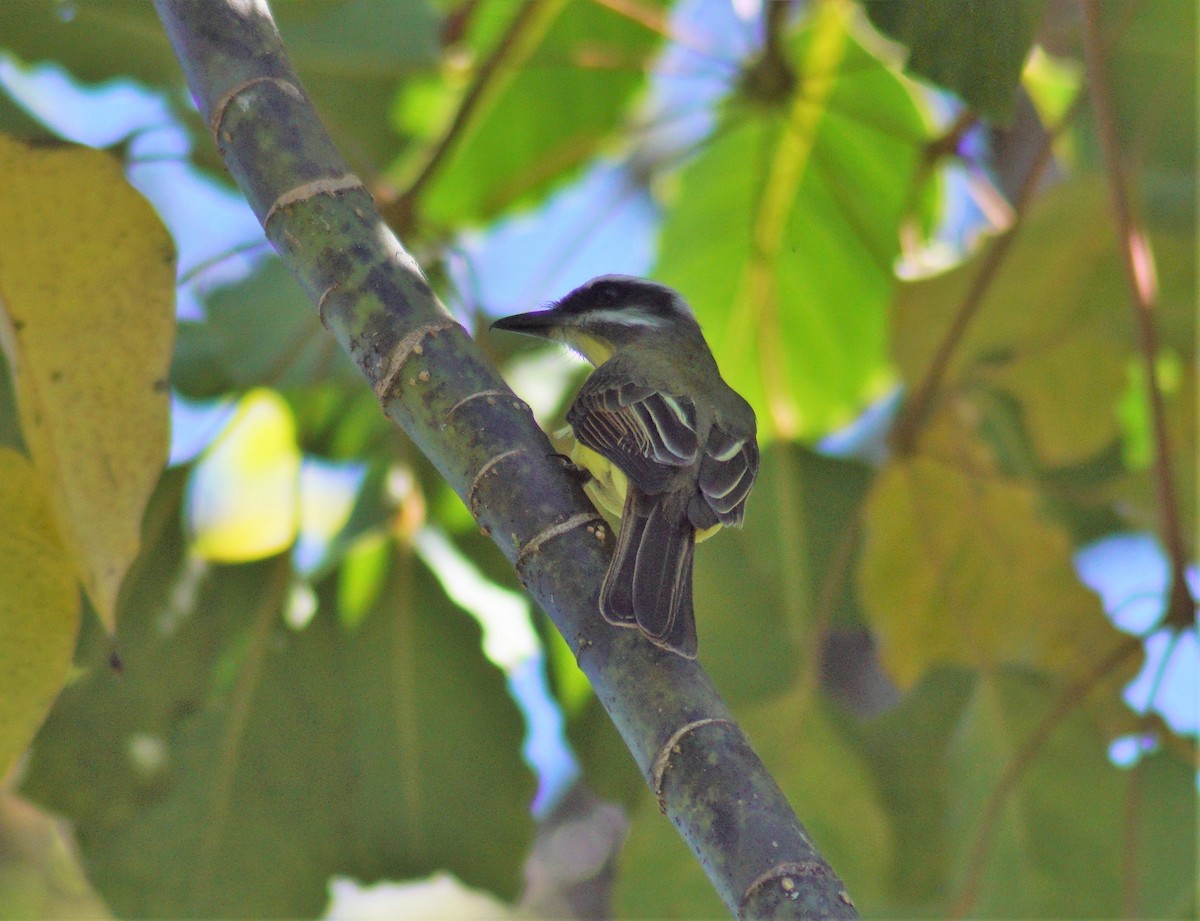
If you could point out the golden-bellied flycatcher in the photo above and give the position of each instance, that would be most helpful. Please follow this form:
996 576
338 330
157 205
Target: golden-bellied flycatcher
670 447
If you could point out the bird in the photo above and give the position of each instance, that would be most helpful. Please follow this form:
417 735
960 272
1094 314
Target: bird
669 447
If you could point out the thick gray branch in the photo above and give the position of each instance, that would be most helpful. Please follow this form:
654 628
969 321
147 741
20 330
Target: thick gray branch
433 382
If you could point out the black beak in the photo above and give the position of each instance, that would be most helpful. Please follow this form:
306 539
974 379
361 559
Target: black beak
537 323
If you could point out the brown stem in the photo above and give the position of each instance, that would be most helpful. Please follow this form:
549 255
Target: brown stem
525 15
1138 262
918 407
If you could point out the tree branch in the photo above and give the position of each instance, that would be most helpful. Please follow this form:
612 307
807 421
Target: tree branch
433 382
1138 263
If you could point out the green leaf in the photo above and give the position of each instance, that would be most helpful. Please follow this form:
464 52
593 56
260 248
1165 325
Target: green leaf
1054 329
961 567
976 48
906 751
238 763
785 230
351 55
758 590
1055 850
563 89
1151 67
1163 787
262 331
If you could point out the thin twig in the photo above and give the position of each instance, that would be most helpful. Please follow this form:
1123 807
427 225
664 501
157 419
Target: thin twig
526 15
994 807
918 407
1138 262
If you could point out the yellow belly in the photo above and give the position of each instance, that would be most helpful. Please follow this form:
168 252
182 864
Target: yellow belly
608 483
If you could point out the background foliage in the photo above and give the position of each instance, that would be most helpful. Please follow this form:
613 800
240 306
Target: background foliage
901 220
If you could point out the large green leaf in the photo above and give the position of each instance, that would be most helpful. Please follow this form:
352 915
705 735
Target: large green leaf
261 331
785 229
238 763
906 751
563 88
975 48
1054 329
1163 787
961 567
759 590
1055 849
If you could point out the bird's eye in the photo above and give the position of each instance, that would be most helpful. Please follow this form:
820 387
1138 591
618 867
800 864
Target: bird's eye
606 293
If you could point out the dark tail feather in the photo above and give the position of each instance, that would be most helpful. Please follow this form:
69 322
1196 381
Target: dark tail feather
616 594
650 579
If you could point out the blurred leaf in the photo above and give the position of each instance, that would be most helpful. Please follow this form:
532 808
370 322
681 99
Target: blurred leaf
563 88
262 331
1055 850
962 568
351 55
976 48
40 873
362 577
39 606
87 324
822 776
906 751
244 493
758 589
15 121
1054 329
237 764
608 767
1067 393
1163 788
439 896
785 230
1152 77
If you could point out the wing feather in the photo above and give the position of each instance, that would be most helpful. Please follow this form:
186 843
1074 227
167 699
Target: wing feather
645 433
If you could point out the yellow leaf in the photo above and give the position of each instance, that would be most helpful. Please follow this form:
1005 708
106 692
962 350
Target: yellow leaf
243 499
961 568
39 606
1053 330
1067 394
87 286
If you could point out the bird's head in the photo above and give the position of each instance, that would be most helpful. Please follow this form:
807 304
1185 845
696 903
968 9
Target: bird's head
607 313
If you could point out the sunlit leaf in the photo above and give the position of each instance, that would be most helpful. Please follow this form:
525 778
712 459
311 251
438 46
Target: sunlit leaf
39 606
563 88
785 230
962 568
87 288
244 496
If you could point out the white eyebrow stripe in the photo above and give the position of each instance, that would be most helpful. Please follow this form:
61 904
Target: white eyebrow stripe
629 316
